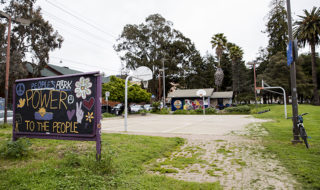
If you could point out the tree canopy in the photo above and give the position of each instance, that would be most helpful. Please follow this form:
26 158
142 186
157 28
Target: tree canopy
307 30
116 87
277 28
28 43
150 43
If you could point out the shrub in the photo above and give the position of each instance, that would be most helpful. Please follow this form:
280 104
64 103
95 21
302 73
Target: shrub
156 106
199 111
15 149
164 111
192 112
5 125
180 112
106 114
238 109
211 111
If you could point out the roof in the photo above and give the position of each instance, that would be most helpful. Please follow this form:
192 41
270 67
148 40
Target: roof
64 70
54 70
189 93
45 72
227 94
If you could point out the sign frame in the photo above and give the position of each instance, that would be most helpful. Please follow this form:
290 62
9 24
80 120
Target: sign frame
94 136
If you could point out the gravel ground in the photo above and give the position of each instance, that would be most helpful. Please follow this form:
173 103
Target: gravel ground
231 148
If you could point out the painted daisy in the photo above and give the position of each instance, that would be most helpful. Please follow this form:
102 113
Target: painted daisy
83 87
89 116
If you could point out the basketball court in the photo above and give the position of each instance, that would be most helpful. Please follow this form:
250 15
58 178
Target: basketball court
179 124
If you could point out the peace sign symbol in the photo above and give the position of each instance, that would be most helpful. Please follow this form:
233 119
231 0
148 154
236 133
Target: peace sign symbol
20 88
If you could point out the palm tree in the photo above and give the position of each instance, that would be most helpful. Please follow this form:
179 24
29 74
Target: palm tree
219 42
307 30
236 54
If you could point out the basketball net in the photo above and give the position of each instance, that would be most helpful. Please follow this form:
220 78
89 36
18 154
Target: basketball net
145 84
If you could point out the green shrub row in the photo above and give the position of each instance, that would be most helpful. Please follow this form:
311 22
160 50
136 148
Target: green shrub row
196 111
106 114
238 109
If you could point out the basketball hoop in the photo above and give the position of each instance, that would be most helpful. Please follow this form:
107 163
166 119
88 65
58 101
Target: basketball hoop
258 89
201 92
145 84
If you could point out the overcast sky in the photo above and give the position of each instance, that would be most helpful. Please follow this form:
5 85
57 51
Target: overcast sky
90 28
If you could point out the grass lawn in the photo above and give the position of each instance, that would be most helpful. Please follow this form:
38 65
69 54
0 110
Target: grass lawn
53 164
302 163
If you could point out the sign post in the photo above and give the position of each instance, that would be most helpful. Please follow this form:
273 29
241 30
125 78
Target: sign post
142 73
202 93
66 107
107 97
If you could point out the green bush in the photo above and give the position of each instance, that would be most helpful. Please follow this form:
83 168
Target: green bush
15 149
199 111
164 111
5 125
192 112
211 111
106 114
180 112
155 107
238 109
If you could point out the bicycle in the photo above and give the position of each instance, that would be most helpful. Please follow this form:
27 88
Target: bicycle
302 131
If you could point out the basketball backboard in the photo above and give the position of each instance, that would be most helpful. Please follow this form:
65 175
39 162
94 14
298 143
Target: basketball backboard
142 73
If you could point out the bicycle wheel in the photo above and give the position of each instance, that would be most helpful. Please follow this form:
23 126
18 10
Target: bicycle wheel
304 135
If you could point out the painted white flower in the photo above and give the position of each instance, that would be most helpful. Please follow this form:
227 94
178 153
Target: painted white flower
83 87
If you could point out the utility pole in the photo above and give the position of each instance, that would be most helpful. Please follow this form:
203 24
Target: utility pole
23 22
164 84
159 89
6 84
295 129
255 81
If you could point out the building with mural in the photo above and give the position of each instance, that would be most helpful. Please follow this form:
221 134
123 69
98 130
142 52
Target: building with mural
187 99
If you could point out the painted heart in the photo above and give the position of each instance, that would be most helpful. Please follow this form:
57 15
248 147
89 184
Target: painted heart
88 104
71 114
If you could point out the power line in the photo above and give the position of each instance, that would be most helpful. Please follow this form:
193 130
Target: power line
78 68
81 19
80 63
99 46
66 23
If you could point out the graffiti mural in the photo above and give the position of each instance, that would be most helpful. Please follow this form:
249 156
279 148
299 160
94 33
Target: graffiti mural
190 104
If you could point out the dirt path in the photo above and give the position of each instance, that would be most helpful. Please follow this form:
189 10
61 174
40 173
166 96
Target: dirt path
223 148
236 161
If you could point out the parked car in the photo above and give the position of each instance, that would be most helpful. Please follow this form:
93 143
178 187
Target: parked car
147 107
118 109
9 116
106 108
136 108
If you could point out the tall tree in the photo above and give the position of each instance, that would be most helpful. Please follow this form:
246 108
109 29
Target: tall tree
277 28
219 42
148 43
34 41
117 87
235 53
307 30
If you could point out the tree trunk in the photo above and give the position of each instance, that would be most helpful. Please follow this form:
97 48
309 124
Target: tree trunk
314 75
233 77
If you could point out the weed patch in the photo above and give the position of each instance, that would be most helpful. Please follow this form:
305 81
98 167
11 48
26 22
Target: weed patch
15 149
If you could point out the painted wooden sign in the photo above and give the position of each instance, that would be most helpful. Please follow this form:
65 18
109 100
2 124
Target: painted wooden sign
63 107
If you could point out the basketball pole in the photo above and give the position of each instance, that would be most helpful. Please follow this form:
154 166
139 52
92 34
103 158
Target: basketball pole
294 93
